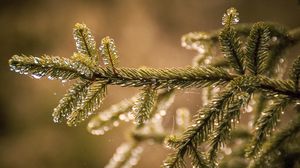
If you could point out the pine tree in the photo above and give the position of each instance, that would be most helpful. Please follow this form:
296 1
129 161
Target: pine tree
247 68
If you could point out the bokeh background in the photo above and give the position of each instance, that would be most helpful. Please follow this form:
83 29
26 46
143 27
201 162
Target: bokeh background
147 33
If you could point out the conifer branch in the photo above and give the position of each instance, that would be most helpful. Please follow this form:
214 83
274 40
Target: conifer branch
70 100
175 160
267 121
109 53
224 127
53 67
231 48
198 158
91 102
165 78
85 42
277 87
288 38
257 49
143 106
275 142
199 131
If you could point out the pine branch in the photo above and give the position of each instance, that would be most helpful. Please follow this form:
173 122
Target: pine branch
85 42
261 103
199 131
275 142
286 38
212 113
172 141
70 100
94 97
231 48
143 106
165 78
53 67
224 127
109 53
175 160
63 68
267 121
198 158
277 87
257 49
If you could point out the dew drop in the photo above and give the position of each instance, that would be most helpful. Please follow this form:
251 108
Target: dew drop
274 38
250 124
249 108
281 60
36 76
56 119
51 78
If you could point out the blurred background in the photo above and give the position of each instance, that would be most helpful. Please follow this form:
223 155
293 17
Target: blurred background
147 33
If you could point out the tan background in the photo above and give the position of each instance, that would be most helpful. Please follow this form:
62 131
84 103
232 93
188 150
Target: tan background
147 33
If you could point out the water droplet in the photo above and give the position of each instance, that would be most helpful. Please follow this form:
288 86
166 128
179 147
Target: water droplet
162 112
36 60
274 38
249 108
122 117
37 76
281 60
56 119
207 61
51 78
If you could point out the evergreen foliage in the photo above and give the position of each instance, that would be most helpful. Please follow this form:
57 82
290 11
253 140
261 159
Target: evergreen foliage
248 71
